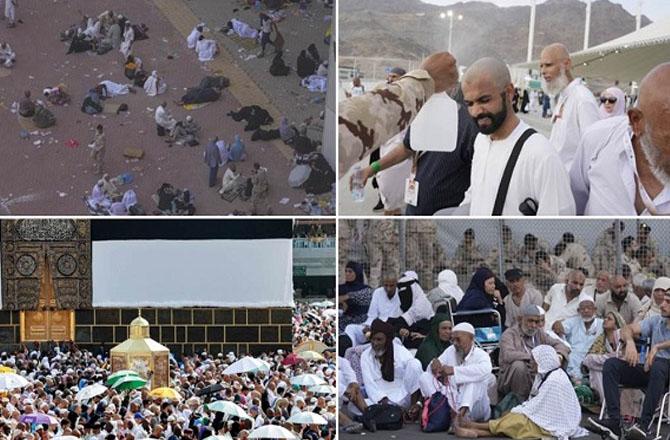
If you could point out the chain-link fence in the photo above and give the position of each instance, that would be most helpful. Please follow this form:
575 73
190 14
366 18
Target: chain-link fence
545 250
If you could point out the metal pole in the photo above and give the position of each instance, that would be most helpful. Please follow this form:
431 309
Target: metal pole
587 25
531 31
617 242
451 28
638 17
501 254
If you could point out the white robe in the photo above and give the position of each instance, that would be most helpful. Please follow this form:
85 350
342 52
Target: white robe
468 386
244 30
92 29
538 175
164 119
229 180
575 110
206 49
7 56
128 39
153 86
406 373
115 89
223 152
421 307
381 307
192 38
604 173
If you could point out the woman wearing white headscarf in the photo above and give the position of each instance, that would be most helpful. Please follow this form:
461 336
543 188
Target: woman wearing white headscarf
612 103
446 290
154 85
552 411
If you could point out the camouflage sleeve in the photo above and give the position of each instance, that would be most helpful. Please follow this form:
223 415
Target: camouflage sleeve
366 122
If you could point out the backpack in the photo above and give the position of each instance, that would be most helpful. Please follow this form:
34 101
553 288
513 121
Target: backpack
387 417
436 414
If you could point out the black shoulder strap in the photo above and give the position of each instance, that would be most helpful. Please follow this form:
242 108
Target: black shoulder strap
509 169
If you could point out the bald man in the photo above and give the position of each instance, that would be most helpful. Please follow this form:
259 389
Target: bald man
623 165
443 177
539 185
574 106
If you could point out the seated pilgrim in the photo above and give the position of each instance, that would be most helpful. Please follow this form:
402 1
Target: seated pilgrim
553 410
7 55
414 323
463 374
206 48
516 366
580 332
390 373
186 132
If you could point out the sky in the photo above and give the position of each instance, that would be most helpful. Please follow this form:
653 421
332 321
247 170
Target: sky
654 9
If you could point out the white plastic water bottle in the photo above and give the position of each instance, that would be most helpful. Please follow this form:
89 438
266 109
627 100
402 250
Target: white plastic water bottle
358 185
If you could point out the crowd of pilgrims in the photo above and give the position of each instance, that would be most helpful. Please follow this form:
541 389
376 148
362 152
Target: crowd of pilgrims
509 357
57 371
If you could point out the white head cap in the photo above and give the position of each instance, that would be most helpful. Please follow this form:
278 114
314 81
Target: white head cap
464 327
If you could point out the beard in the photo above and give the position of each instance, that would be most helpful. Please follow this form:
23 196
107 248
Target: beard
660 164
530 332
587 320
497 119
554 87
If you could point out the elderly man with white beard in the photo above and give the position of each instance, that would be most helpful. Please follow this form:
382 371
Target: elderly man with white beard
574 106
623 163
463 374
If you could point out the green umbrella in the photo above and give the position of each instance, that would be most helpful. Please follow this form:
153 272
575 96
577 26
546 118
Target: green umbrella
114 377
129 382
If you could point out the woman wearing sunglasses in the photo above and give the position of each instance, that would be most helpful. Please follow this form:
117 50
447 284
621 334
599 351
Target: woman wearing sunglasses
612 103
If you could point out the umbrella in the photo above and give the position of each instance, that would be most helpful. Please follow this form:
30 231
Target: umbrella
39 419
307 418
291 359
312 345
217 437
111 380
4 369
325 303
11 381
165 393
310 355
66 437
307 380
228 407
91 391
323 389
129 383
209 389
272 431
245 365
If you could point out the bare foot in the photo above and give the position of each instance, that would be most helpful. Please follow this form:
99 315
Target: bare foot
460 431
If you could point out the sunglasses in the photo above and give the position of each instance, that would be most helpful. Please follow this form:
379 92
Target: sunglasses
611 100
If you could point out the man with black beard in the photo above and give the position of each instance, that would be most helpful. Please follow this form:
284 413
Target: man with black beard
623 163
619 300
539 184
516 343
574 106
650 373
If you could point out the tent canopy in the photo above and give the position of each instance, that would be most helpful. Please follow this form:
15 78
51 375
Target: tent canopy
627 58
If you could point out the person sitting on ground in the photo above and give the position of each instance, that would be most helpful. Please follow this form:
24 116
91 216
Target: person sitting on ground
164 197
99 200
632 371
112 38
110 89
481 294
438 340
186 132
390 372
447 294
26 106
321 177
206 48
287 132
605 346
80 43
194 36
305 65
322 70
92 104
463 374
154 85
7 55
416 312
132 66
353 296
237 151
242 29
279 67
516 366
56 95
314 54
552 411
230 183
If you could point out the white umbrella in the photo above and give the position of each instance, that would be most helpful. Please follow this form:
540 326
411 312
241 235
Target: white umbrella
330 312
228 407
307 418
12 381
323 389
272 431
91 391
307 380
247 364
66 437
218 437
325 303
310 355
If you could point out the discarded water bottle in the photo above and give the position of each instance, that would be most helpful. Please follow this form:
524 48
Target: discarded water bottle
358 185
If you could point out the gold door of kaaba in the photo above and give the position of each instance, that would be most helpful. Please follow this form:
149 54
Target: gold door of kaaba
47 323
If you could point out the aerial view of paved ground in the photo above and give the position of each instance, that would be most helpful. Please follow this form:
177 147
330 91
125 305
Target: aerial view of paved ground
45 174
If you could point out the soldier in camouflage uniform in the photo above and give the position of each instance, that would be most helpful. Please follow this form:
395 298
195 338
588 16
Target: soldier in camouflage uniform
510 252
604 252
421 236
382 242
526 257
468 257
575 255
643 238
369 120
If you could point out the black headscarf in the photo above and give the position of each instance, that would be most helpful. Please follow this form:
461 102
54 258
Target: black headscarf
355 285
379 326
475 297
